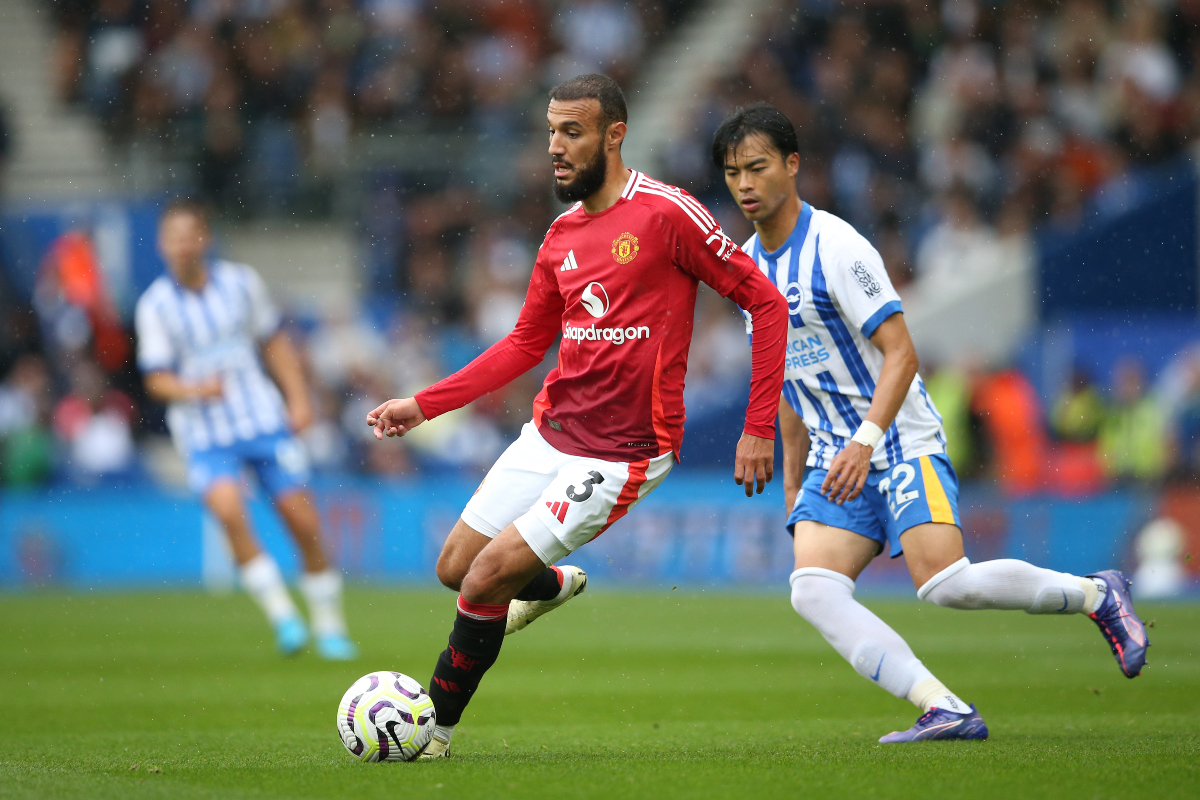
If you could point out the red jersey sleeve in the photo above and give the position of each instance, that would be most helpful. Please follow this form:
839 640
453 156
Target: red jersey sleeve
514 355
707 253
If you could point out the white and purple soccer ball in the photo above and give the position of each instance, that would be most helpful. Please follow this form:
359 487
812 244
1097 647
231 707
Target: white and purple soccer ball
385 716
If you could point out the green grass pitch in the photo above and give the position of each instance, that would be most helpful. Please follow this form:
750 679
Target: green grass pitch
656 695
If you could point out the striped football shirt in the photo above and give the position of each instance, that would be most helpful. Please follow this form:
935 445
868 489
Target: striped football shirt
838 294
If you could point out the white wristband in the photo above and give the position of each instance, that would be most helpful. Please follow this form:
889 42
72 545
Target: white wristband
868 434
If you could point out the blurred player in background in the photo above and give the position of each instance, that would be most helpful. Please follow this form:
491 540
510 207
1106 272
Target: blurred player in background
200 329
617 275
856 411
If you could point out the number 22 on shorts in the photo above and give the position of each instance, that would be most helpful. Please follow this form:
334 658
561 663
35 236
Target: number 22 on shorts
898 499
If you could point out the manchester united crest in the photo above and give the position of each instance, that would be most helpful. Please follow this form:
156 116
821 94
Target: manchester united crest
625 248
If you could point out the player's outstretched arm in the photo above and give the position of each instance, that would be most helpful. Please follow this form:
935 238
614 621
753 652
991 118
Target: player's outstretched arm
849 470
395 417
514 355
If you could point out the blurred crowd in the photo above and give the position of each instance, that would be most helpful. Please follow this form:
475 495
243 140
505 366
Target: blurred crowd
260 101
945 132
1128 430
71 412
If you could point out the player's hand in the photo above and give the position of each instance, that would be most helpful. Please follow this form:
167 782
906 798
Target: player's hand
208 388
395 417
754 464
300 413
848 473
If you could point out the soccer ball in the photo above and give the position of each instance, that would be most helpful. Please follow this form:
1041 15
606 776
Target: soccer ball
385 716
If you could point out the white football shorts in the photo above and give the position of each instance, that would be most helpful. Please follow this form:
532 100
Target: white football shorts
558 502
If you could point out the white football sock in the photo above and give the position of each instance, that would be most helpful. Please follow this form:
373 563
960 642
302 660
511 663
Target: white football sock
443 731
260 576
1010 584
826 599
931 693
323 593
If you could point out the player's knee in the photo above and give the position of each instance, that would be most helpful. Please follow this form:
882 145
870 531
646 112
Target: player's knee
449 572
476 588
484 582
953 591
806 596
304 522
814 590
227 508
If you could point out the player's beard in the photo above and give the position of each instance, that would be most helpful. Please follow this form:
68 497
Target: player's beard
588 180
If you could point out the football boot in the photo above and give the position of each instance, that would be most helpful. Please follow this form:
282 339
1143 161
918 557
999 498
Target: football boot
937 723
291 635
523 612
1120 624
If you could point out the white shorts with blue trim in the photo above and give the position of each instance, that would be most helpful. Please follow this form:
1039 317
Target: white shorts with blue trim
911 493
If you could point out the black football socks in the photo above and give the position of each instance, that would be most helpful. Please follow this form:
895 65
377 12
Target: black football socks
474 646
545 585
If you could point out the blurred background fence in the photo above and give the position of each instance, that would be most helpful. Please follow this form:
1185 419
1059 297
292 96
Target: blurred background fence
1027 169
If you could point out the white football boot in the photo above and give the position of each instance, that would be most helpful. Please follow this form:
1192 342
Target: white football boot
523 612
437 748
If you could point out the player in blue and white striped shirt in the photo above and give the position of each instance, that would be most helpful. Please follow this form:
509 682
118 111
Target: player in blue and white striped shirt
877 473
200 329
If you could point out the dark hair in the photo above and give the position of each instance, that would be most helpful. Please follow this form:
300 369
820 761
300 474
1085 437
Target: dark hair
760 118
596 87
186 205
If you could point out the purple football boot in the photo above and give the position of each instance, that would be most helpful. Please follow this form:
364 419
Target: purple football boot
937 723
1120 624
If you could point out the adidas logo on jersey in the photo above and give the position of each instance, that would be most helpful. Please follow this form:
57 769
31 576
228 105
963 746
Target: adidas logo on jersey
569 262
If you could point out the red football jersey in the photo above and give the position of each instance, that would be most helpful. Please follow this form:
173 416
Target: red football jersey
620 286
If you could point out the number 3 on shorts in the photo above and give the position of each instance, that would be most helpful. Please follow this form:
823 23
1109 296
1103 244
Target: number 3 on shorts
903 474
579 497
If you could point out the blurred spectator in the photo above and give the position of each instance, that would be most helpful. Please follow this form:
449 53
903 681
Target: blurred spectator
1012 417
73 301
1132 438
955 248
501 262
950 390
19 333
1079 411
1179 391
26 446
1075 420
596 36
95 421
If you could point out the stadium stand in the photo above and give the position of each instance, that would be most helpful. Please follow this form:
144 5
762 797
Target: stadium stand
953 136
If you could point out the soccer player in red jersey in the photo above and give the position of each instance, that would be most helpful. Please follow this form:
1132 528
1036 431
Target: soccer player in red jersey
617 275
